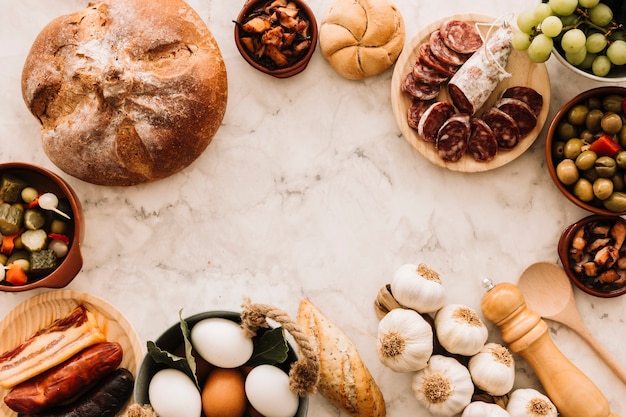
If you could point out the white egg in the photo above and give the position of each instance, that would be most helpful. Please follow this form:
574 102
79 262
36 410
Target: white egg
173 394
267 389
221 342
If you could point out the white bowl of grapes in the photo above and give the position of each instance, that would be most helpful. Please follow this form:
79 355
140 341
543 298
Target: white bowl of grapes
587 36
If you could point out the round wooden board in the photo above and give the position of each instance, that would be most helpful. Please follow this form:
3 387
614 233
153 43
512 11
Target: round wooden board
41 310
523 73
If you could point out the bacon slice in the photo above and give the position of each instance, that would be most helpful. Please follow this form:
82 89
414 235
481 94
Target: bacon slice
50 346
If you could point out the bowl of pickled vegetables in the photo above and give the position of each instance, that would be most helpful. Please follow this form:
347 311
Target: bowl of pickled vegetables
586 36
41 227
586 150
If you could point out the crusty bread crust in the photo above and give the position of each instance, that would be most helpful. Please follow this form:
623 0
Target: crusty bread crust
362 38
344 378
127 91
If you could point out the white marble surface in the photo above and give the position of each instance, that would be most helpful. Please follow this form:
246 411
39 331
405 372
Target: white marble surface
309 190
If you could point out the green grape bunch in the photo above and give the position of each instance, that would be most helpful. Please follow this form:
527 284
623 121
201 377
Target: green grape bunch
586 33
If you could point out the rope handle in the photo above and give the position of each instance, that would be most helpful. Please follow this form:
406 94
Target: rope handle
304 373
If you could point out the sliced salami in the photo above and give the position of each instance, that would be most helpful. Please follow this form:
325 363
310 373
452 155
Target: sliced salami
426 74
445 54
520 112
460 36
428 58
503 126
416 110
453 138
474 82
531 97
433 118
419 90
483 145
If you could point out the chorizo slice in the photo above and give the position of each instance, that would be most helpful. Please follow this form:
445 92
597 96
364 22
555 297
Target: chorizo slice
419 90
520 112
460 36
528 95
445 54
433 118
416 111
427 74
483 145
453 138
430 60
503 126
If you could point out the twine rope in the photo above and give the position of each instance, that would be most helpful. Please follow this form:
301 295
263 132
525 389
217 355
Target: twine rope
488 52
304 373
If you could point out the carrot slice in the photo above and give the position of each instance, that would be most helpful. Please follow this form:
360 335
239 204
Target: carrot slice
16 275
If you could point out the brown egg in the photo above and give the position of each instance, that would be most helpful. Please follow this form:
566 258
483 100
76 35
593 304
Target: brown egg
223 394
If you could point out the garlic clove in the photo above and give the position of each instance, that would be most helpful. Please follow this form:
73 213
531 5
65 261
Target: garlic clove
528 402
493 369
418 287
460 330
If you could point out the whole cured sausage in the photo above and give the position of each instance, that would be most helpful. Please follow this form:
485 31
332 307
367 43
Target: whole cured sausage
66 380
106 399
474 82
453 138
433 118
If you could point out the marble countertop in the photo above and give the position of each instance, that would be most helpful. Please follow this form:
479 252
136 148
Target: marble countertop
309 190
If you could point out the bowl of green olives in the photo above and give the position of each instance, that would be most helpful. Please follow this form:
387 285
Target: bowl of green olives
586 150
41 229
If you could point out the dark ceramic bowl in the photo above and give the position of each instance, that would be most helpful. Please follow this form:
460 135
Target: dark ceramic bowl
552 139
46 181
587 284
264 64
172 340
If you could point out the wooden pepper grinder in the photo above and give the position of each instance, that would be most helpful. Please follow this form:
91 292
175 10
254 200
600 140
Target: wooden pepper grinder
571 391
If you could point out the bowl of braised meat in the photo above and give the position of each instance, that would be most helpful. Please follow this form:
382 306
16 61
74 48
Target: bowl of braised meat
277 37
593 254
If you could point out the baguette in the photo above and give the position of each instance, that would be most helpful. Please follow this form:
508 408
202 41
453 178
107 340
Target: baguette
50 346
344 378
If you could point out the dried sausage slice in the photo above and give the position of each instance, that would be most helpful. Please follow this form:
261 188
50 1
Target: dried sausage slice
453 138
460 36
416 110
531 97
445 54
503 126
426 74
433 118
520 112
419 90
483 145
428 58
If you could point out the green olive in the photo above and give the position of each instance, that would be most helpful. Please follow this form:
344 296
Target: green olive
592 122
616 202
583 190
577 115
612 103
602 188
567 172
605 166
586 160
620 159
594 103
611 123
618 182
573 148
566 131
591 175
558 148
621 136
586 136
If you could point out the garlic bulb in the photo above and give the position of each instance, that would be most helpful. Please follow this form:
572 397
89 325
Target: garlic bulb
444 387
418 287
405 340
460 330
493 369
483 409
528 402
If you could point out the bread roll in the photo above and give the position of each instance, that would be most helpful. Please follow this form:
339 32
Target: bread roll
344 378
126 91
361 38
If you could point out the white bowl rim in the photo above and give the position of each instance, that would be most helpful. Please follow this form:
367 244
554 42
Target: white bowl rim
589 75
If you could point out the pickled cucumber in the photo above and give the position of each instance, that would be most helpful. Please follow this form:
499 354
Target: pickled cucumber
34 240
11 188
10 219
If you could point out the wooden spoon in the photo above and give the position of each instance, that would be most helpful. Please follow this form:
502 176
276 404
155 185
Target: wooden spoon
548 291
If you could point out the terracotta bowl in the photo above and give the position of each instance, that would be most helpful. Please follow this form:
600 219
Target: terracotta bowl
172 341
555 142
566 254
265 64
46 181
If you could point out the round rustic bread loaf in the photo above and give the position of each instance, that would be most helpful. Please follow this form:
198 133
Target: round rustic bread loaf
361 38
127 91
